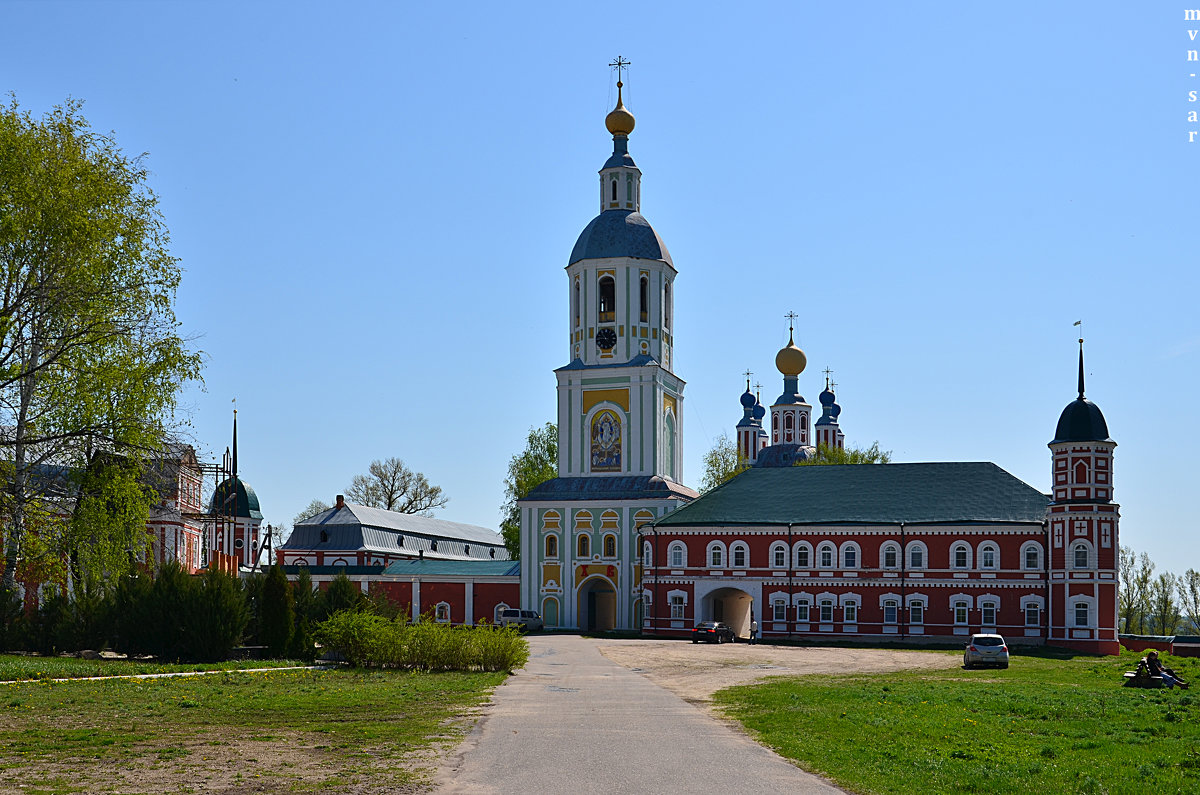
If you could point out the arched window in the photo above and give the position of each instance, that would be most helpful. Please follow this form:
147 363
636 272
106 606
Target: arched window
442 612
644 299
607 305
850 555
610 546
891 556
577 303
825 556
585 547
889 611
647 554
552 546
614 189
678 560
803 556
1081 556
987 557
1031 556
779 556
716 555
958 556
740 553
916 555
987 611
667 305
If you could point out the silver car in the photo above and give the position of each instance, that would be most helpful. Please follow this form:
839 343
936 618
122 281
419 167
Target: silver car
986 650
528 620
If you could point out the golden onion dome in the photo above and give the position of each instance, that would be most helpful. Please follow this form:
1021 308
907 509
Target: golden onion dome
790 360
619 121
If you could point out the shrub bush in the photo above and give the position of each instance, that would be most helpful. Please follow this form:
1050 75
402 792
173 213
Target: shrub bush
276 614
372 641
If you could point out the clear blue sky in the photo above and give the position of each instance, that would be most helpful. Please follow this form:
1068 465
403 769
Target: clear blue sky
374 204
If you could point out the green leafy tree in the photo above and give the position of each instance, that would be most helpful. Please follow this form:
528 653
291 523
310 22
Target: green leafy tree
392 486
277 615
1137 576
534 465
723 462
91 358
850 455
1164 609
1189 600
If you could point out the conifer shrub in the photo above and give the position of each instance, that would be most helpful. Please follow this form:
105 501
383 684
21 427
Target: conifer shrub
342 594
217 618
305 608
276 615
11 620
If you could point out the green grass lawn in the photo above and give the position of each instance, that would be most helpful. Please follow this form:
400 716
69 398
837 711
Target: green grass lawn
1051 722
300 731
15 666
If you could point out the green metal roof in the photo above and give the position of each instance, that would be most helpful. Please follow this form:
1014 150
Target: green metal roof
454 568
866 494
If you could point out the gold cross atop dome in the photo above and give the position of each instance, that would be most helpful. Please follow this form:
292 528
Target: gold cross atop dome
619 121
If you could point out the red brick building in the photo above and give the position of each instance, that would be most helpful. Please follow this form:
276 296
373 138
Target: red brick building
908 551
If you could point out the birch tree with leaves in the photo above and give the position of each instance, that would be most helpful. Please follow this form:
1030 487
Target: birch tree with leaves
92 360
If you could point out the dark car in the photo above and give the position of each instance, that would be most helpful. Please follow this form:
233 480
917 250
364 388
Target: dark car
712 632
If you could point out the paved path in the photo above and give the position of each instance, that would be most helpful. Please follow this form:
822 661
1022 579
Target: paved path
572 721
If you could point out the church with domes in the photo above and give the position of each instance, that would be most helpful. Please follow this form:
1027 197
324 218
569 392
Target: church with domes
912 551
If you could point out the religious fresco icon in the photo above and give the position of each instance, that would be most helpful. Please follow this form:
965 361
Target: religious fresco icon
606 442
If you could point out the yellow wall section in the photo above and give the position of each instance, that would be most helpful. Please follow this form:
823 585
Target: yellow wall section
669 403
551 572
592 397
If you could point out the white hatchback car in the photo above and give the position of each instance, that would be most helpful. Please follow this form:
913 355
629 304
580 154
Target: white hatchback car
986 650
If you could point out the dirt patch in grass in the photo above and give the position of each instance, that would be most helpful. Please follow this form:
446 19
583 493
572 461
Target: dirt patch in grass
696 671
227 763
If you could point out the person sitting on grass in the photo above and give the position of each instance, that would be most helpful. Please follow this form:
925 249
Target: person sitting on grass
1156 668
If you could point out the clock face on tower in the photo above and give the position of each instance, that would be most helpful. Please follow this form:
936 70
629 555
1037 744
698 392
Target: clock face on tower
606 339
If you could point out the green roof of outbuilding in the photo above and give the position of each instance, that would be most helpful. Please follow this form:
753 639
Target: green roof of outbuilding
454 568
866 494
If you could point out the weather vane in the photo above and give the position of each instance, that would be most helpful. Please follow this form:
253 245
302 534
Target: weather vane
1079 324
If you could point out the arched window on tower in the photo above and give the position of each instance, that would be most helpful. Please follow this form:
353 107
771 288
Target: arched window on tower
608 299
614 189
667 305
585 547
576 304
644 300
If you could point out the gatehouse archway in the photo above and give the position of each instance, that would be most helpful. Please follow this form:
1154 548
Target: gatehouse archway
597 600
731 605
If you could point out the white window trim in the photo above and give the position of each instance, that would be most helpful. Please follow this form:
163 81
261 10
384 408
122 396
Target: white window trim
1072 603
671 605
883 553
1091 554
955 548
437 612
841 555
778 546
822 548
708 555
799 545
924 555
736 545
671 549
995 555
1024 550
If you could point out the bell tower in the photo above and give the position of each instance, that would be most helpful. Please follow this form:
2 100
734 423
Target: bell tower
1084 548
